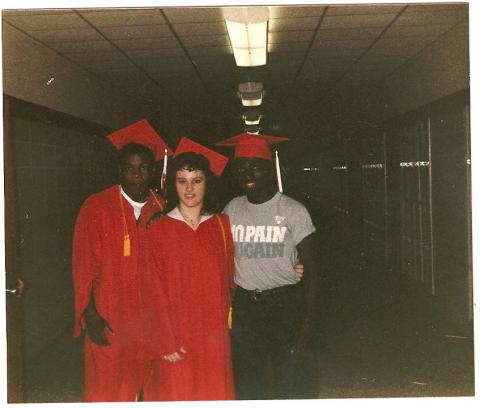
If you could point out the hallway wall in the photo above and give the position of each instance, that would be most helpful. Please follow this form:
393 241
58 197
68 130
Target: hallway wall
440 69
34 73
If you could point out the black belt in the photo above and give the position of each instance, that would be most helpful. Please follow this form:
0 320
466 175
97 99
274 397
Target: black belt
259 295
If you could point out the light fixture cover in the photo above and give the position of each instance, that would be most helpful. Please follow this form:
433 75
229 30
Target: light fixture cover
251 98
247 29
250 87
252 117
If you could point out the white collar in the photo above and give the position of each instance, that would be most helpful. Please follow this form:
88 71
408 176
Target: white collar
177 215
132 202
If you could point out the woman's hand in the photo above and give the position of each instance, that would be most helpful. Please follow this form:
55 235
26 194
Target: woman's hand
177 356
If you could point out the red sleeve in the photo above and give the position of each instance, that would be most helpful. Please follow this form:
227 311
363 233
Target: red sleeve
85 259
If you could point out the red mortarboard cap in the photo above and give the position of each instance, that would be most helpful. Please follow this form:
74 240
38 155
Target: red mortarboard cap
250 145
143 133
217 161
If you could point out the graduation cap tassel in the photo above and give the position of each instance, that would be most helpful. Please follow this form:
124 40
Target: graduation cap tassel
164 172
279 176
126 245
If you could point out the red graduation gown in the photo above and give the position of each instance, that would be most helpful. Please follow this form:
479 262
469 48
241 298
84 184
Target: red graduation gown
116 372
197 274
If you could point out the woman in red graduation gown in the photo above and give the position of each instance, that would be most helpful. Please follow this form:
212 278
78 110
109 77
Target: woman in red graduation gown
191 254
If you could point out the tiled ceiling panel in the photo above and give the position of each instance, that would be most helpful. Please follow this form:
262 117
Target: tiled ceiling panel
185 55
147 43
206 41
293 24
432 18
143 31
210 51
341 44
298 11
349 34
375 9
82 46
192 29
194 15
423 31
123 17
47 21
358 21
74 34
277 37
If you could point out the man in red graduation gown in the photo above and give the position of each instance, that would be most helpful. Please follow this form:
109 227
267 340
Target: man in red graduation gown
107 263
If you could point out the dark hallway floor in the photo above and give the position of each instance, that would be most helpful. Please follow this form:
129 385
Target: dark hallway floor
371 342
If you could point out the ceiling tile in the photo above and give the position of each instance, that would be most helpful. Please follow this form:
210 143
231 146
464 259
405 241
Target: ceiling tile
349 33
83 46
358 21
185 71
289 36
214 59
149 53
335 53
293 56
172 63
372 59
111 55
422 18
48 21
293 24
389 52
210 51
403 42
147 43
338 10
30 12
295 11
144 31
206 41
108 64
189 29
76 34
415 31
298 47
193 14
342 44
123 17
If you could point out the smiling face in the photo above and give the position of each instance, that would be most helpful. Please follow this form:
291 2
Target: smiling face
136 172
255 177
191 186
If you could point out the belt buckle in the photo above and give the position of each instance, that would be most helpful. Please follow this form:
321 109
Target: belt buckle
257 294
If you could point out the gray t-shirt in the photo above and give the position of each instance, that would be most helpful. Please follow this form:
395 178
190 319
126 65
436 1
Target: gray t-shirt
265 237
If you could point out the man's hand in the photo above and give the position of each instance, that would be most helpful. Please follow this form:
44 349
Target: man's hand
96 326
298 270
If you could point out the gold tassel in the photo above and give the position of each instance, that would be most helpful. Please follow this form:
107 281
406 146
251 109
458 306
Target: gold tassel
126 245
230 318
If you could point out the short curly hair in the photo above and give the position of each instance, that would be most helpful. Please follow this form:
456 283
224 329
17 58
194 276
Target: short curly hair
135 148
193 161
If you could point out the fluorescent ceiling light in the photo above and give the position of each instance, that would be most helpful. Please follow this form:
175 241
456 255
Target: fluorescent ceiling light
252 117
253 130
247 29
251 98
246 87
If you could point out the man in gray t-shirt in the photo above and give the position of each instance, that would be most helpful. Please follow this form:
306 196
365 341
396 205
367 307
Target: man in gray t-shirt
266 236
271 313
